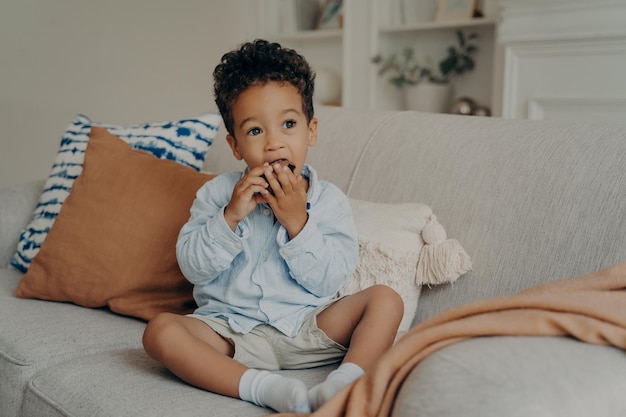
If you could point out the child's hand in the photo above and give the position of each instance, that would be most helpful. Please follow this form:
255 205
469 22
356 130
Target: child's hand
248 192
289 199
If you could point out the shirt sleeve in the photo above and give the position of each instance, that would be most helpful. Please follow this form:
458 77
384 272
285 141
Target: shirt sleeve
324 254
206 245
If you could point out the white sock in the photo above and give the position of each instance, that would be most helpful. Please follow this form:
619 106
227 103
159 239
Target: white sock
266 389
335 381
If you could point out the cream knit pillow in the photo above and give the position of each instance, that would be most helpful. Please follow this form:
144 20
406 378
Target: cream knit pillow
403 246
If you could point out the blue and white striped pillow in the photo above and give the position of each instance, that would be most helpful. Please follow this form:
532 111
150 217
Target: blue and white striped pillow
185 141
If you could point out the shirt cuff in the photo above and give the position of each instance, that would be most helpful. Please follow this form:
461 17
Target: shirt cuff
230 241
308 238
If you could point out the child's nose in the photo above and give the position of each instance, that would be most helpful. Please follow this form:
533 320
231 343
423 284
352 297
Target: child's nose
274 141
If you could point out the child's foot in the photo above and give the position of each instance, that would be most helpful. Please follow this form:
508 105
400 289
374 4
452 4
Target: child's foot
335 381
280 393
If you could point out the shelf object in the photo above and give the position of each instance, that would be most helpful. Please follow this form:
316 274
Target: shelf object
430 41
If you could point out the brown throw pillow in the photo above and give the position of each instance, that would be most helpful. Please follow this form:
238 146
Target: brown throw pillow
113 243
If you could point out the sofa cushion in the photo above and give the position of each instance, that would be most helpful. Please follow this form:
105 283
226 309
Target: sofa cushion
129 383
403 246
185 141
37 334
114 242
516 376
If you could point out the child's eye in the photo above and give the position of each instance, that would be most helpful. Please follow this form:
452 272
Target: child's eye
288 124
254 131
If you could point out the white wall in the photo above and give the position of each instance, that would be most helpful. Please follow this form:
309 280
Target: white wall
116 61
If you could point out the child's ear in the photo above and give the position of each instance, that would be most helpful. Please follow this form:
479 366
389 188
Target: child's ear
232 142
313 132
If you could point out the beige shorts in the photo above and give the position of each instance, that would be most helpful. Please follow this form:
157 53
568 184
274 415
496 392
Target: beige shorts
267 348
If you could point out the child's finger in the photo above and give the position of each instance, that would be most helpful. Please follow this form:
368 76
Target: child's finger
271 178
285 177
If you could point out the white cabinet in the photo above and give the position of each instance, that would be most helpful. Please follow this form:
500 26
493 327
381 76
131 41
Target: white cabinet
370 27
564 59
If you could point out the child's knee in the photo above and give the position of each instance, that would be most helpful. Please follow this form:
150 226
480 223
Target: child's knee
156 333
389 299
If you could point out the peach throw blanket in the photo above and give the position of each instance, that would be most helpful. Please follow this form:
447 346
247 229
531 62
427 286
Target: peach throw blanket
591 308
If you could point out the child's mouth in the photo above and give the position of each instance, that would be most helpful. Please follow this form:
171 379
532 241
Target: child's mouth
282 162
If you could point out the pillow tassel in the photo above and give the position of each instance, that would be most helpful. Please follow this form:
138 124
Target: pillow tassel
441 260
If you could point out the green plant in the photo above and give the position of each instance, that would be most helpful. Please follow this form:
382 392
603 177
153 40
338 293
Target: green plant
406 70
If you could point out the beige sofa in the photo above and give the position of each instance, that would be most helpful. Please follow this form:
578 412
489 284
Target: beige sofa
529 201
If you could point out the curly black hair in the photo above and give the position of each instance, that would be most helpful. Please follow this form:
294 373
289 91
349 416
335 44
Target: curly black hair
257 63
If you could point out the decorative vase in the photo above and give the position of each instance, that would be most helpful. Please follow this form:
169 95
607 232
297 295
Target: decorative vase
327 87
428 97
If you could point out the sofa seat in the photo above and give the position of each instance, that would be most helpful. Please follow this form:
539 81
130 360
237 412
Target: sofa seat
37 334
518 377
129 383
563 377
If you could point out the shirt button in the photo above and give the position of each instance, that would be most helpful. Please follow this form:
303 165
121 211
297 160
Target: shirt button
266 254
267 212
238 245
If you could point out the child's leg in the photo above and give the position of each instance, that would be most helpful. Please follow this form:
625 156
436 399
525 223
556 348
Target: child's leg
366 323
199 356
193 352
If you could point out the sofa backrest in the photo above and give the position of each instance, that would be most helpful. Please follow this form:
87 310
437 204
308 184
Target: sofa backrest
530 201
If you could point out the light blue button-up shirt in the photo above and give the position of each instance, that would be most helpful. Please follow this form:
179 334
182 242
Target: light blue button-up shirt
256 274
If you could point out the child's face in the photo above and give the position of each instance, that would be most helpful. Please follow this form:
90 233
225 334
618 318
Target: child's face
269 125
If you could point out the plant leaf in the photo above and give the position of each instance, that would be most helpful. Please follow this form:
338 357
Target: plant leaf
460 37
398 82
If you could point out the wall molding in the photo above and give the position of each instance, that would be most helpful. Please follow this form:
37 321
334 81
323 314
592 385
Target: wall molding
558 49
516 54
548 20
577 108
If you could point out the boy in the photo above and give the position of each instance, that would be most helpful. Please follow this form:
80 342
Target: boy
267 251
